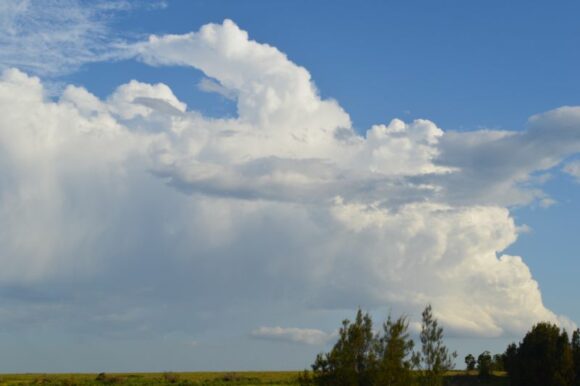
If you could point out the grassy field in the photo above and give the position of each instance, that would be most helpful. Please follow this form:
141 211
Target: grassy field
457 378
170 378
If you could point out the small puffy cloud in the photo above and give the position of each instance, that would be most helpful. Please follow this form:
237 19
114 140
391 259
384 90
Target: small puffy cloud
403 149
573 169
139 100
297 335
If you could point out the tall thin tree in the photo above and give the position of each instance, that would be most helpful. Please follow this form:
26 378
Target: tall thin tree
435 357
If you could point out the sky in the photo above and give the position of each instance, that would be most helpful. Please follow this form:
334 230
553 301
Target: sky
216 185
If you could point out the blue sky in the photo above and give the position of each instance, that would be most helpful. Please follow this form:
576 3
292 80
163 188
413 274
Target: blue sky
221 196
465 66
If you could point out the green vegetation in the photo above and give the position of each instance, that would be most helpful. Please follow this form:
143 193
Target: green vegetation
545 357
363 358
434 359
486 365
290 378
360 357
167 378
470 362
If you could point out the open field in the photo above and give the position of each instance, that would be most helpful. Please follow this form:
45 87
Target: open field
457 378
168 378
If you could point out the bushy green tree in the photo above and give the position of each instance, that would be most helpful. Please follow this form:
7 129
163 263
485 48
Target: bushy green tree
435 358
395 352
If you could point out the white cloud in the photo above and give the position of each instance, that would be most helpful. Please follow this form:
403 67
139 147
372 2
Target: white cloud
208 85
497 167
448 256
140 100
298 335
272 91
286 143
284 202
404 149
51 153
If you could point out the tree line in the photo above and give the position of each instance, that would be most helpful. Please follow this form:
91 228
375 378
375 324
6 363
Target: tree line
485 364
546 356
362 357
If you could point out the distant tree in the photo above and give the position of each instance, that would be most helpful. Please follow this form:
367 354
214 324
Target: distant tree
395 352
543 358
435 358
470 362
484 364
498 363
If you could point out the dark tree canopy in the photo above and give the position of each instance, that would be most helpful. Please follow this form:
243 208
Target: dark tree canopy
484 364
543 358
498 363
576 356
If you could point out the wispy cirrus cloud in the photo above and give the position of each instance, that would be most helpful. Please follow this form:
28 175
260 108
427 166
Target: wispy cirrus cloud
55 37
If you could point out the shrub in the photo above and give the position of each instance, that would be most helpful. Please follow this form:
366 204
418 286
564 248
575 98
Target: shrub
170 377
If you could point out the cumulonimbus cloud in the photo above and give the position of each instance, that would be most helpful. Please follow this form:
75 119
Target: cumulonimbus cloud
286 201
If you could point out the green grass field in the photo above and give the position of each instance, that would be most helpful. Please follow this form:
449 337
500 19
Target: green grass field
456 378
